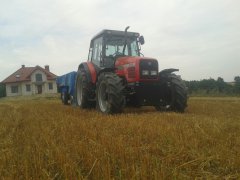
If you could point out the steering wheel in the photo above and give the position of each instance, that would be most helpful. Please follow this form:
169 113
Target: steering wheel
117 54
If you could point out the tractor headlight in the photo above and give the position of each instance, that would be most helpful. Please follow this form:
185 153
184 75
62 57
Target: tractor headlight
145 72
153 73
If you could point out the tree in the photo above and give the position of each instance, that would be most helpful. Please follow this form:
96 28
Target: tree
237 84
208 85
193 86
237 79
221 85
211 86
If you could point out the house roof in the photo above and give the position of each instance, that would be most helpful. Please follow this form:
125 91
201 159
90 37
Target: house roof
24 74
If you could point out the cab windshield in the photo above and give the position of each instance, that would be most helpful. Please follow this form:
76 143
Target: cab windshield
115 46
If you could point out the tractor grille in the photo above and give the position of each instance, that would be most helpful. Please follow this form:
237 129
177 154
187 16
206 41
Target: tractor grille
148 68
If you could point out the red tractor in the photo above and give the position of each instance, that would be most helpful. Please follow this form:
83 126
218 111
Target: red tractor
116 74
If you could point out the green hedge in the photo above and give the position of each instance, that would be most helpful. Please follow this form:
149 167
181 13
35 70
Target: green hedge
2 90
212 87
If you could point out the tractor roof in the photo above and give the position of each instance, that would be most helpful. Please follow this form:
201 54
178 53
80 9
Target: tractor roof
116 33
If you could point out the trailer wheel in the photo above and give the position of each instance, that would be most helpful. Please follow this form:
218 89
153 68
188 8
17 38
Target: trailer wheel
64 97
82 92
72 100
110 99
175 94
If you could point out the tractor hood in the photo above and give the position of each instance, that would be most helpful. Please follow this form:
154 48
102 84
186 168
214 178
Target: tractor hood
130 59
137 68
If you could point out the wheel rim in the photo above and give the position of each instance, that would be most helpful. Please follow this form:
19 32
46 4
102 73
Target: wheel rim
79 93
167 104
103 97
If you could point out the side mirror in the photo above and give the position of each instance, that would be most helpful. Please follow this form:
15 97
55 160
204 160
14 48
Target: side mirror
141 40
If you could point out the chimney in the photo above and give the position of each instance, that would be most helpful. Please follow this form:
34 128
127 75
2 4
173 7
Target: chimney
23 66
47 67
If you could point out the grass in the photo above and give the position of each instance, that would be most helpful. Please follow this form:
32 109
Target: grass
42 139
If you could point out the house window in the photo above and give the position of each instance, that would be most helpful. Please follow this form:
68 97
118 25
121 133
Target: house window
14 89
38 77
50 86
28 87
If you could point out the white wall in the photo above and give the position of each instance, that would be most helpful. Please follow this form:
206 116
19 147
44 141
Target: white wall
34 90
33 76
24 90
46 87
9 89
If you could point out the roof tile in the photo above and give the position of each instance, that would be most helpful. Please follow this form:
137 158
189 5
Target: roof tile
24 74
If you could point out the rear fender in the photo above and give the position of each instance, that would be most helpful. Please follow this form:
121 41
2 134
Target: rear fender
167 71
90 70
164 74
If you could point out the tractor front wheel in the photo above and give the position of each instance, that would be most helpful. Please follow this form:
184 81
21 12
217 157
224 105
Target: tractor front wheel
174 97
110 99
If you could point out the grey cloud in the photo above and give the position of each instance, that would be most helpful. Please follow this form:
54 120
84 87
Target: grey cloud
199 37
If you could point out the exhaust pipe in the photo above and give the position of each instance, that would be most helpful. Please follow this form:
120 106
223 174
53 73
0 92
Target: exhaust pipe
125 37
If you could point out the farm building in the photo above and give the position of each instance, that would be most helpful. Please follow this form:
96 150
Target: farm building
30 80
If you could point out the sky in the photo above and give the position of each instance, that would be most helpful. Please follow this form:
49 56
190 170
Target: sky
199 37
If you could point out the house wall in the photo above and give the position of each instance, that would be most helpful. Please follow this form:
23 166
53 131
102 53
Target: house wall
33 84
46 87
33 76
9 89
24 90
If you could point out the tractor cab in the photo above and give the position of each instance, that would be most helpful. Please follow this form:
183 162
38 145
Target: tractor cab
109 45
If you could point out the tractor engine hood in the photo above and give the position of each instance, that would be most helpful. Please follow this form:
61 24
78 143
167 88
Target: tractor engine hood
137 68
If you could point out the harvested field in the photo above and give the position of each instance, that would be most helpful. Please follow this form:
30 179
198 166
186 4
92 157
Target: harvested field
42 139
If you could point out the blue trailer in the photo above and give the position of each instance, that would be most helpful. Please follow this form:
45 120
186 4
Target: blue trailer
66 86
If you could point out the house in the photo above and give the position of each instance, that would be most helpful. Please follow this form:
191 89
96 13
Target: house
30 80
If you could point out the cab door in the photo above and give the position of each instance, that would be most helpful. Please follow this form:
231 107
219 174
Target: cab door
96 56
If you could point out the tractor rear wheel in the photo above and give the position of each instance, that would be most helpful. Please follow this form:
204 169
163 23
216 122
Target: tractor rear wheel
110 99
82 91
175 94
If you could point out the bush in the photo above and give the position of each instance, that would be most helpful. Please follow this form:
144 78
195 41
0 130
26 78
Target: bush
2 90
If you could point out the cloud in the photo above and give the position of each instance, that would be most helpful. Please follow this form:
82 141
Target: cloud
199 37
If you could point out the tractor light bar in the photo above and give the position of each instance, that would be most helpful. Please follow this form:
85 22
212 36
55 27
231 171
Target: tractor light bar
153 73
145 72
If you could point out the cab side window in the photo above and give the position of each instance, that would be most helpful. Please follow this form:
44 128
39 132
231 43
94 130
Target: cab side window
97 51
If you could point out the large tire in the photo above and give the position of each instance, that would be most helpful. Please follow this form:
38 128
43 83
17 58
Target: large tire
175 94
110 98
82 90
